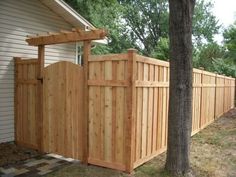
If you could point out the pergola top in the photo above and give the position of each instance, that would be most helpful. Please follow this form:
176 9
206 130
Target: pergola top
66 36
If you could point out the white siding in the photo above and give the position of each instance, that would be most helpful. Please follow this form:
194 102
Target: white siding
19 18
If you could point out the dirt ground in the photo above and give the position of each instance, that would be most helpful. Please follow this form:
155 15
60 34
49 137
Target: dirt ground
213 154
11 154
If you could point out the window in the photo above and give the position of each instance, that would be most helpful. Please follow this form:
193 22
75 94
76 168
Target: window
79 54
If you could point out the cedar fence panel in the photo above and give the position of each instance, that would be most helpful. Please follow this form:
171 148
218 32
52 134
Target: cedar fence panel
228 93
26 132
151 82
197 98
219 104
207 98
107 80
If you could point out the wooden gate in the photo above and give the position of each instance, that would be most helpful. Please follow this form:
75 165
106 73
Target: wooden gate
26 91
61 129
63 109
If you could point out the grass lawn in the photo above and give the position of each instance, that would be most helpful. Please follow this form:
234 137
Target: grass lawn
213 154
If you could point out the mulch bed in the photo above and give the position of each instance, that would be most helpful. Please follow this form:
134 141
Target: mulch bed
12 154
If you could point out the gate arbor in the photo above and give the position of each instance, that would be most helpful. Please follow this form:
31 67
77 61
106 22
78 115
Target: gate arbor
51 104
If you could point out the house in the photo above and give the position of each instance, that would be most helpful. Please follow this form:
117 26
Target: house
19 18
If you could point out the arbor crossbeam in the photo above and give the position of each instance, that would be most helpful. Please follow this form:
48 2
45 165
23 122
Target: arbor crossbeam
66 37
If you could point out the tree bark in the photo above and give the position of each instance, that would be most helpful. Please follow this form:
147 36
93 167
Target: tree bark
180 104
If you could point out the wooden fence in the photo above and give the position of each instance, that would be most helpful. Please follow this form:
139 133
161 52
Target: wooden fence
26 121
127 107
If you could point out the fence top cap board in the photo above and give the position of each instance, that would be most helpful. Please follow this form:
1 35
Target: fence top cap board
65 36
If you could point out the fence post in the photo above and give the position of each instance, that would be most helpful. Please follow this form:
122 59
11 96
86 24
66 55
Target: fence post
234 92
201 117
16 60
85 137
131 105
215 96
41 57
224 96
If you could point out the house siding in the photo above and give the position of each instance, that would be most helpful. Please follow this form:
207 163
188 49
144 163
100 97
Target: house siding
19 18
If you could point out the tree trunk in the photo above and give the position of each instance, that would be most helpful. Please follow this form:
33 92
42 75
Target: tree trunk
180 104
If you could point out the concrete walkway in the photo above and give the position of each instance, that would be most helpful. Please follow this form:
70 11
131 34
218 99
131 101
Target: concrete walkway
36 167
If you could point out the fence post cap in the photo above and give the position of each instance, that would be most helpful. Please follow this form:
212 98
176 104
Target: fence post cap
201 68
132 50
16 58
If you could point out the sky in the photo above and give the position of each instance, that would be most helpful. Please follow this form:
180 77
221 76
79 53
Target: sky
225 11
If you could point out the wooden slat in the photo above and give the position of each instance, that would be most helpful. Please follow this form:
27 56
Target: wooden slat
155 112
108 118
114 114
145 113
119 112
139 109
150 112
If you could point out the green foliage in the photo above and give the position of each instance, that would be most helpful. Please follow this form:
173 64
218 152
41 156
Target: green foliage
212 57
142 24
105 14
230 42
205 55
147 22
221 66
205 24
161 51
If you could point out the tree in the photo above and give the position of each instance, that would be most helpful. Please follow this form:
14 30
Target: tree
206 54
230 42
222 66
205 24
142 24
147 22
105 14
162 49
180 103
